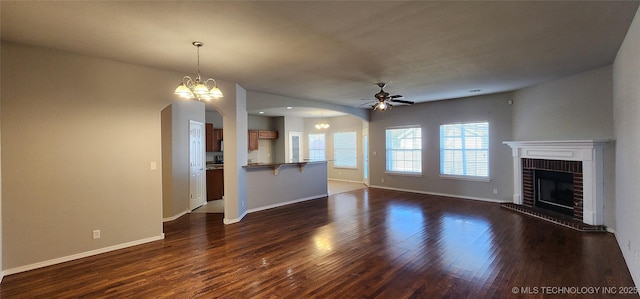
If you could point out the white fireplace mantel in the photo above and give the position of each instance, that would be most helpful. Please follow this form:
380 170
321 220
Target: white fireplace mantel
589 152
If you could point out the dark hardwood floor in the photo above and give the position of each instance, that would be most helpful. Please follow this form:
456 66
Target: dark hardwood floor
363 243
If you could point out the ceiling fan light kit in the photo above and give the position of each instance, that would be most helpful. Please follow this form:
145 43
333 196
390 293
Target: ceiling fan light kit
384 100
197 88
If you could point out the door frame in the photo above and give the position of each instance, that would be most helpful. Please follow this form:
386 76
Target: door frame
300 146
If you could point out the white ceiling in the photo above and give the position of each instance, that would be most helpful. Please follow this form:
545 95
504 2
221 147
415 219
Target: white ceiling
335 51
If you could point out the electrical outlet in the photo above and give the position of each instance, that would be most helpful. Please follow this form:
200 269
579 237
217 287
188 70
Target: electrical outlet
629 244
375 153
96 234
382 180
495 191
635 255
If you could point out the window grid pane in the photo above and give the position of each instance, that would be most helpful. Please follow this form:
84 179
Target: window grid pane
404 150
317 147
464 149
345 150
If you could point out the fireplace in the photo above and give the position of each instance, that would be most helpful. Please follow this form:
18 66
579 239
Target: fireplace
563 176
553 191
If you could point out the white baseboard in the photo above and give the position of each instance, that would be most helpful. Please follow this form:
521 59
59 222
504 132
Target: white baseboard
286 203
175 216
346 181
611 230
235 220
80 255
443 194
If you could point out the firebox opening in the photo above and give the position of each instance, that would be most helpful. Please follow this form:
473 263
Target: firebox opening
554 191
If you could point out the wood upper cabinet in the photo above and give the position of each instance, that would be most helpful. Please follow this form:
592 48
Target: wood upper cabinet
267 134
208 134
212 138
217 138
253 140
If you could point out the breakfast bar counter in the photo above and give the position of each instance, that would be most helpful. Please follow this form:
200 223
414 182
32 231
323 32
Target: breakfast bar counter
276 166
276 184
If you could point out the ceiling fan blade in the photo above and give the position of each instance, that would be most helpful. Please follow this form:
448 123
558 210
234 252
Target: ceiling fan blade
367 103
397 96
403 102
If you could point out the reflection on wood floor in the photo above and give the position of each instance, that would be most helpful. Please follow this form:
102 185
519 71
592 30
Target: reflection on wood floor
363 243
335 187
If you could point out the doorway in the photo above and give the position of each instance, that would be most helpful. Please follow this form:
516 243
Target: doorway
295 146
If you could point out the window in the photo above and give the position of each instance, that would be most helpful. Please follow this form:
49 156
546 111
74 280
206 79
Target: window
344 150
316 147
464 149
404 150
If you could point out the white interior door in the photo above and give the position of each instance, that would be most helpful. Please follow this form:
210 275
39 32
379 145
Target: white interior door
196 164
295 146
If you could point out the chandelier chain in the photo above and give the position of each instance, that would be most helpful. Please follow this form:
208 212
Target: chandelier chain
198 51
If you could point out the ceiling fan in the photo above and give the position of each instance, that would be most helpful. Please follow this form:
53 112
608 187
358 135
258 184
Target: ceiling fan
385 101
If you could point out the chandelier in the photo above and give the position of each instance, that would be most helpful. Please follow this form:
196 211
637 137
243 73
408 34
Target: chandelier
322 126
198 89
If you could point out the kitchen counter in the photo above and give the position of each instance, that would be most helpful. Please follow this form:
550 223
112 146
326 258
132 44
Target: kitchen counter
276 166
213 166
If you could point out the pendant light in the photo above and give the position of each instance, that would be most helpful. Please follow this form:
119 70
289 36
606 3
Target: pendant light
197 88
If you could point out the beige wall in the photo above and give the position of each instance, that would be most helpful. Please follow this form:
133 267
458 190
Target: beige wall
214 118
279 148
78 137
492 108
234 115
626 104
347 123
576 107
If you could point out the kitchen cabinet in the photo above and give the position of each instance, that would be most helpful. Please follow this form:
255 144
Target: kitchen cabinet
212 138
215 184
217 140
208 137
267 134
253 140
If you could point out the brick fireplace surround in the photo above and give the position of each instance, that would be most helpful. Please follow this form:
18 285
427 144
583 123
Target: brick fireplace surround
529 166
582 158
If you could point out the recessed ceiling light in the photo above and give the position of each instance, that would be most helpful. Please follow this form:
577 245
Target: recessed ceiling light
289 108
261 112
475 90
